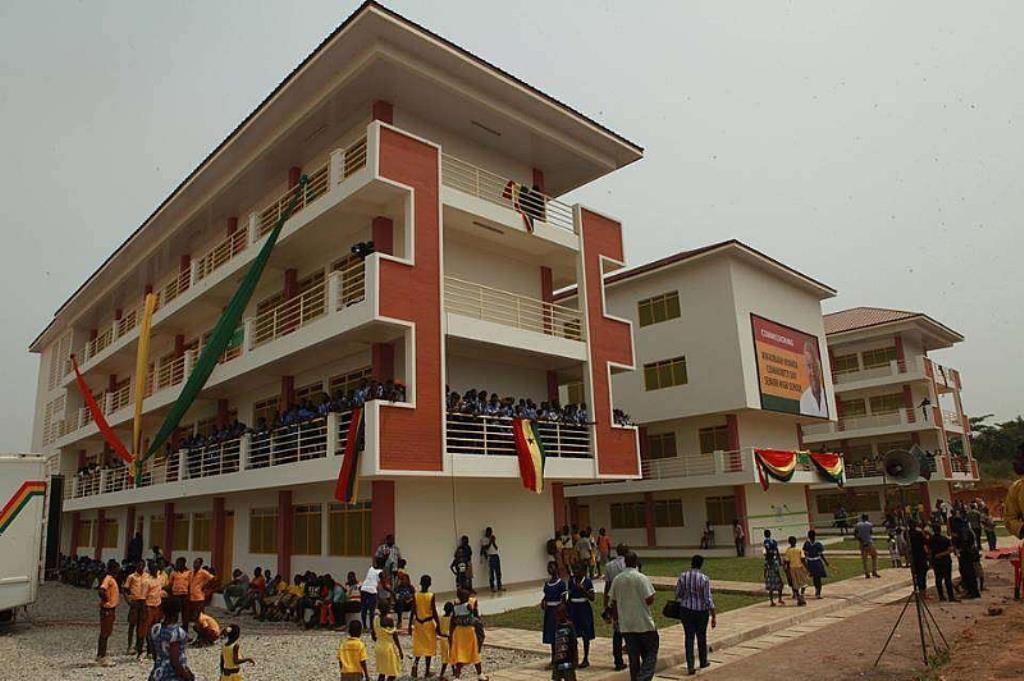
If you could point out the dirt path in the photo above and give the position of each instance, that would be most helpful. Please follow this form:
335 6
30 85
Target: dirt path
985 647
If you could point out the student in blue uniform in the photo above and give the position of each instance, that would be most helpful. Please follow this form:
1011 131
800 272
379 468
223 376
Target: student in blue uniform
581 595
554 594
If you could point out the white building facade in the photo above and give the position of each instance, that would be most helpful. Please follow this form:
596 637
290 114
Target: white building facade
891 395
696 396
415 144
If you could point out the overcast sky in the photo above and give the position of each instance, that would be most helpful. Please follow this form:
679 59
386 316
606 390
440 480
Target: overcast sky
876 146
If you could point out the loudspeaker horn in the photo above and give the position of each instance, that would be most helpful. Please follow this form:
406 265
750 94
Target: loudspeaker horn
901 466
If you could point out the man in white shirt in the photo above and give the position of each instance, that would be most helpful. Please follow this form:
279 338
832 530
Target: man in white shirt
631 596
368 591
489 551
613 569
813 401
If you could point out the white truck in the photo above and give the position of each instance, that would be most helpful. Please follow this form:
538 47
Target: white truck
23 483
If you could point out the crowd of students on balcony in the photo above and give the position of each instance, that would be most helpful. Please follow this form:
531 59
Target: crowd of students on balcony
475 402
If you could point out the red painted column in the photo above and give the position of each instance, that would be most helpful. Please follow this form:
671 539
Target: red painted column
739 493
291 283
129 527
101 517
382 511
382 232
538 179
179 345
81 458
547 294
217 541
382 111
732 423
900 355
294 175
222 413
382 361
908 403
284 533
652 532
232 225
76 532
552 385
574 511
558 505
799 437
168 530
287 398
926 498
645 445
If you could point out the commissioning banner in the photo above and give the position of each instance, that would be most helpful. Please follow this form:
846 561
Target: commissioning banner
789 373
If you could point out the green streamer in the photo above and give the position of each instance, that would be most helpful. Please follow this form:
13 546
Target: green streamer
222 334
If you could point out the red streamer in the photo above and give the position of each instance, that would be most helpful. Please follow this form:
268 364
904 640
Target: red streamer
100 419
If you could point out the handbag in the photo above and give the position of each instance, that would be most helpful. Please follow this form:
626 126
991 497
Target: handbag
671 610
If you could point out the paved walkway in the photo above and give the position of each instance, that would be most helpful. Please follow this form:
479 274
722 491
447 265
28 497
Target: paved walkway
723 585
734 627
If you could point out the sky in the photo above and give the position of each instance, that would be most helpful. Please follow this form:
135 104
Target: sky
876 146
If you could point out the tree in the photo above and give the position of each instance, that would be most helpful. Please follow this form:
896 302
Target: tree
997 442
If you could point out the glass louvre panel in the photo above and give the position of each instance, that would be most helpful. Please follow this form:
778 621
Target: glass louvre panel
720 510
878 358
665 374
110 533
181 526
658 308
712 439
886 404
201 531
852 408
844 364
306 526
661 445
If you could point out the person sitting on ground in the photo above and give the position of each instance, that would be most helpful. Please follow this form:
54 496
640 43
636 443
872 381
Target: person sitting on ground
207 630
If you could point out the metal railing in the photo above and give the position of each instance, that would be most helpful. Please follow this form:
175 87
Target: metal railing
354 157
483 184
893 368
100 342
692 465
511 309
171 373
901 416
222 253
960 464
288 444
126 323
85 485
949 418
173 287
341 432
289 315
351 283
492 435
316 187
215 458
121 397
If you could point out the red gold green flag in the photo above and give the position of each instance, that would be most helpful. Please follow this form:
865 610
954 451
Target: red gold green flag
347 489
14 505
530 452
775 463
830 466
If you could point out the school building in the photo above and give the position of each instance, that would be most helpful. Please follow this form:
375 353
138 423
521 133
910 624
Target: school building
453 168
696 396
890 394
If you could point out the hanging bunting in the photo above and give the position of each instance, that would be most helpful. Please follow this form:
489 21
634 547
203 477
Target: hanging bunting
97 416
774 463
530 452
829 466
347 489
222 333
141 367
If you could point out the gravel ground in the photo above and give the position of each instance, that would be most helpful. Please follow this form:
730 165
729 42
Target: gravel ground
57 640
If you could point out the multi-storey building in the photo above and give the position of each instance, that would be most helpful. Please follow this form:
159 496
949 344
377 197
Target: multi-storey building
890 394
704 397
453 168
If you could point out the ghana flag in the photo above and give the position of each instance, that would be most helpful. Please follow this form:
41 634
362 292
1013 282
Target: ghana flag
530 452
774 463
14 505
347 489
829 466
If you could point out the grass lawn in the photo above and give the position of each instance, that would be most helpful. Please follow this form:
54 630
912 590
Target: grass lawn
851 544
750 569
532 618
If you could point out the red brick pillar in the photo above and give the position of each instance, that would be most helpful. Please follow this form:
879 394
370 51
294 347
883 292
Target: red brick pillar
538 178
284 533
547 294
294 175
900 354
382 361
168 530
222 413
382 111
652 533
908 403
232 225
382 511
732 423
291 283
383 235
739 493
217 541
552 385
558 505
101 517
645 445
287 393
926 498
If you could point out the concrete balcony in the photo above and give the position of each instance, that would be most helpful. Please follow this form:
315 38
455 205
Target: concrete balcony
689 471
900 421
867 472
916 369
488 315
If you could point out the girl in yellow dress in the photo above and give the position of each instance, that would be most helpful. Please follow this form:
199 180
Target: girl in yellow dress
388 650
444 636
231 659
465 647
797 567
423 626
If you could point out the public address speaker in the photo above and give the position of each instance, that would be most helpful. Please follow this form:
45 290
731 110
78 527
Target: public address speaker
901 466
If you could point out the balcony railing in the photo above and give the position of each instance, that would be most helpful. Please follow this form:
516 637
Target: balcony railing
100 342
173 287
492 435
511 309
872 467
222 253
900 417
960 464
316 187
692 465
126 323
893 368
119 398
501 191
289 315
288 444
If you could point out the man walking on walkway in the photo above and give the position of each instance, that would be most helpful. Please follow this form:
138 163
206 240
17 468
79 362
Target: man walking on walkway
862 531
693 591
612 569
631 597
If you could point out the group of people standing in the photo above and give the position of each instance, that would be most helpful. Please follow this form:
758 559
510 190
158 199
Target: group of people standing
573 545
800 565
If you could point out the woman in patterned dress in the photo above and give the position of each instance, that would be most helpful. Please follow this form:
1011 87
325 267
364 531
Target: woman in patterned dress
772 568
168 638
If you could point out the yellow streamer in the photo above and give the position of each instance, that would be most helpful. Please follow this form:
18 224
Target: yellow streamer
141 366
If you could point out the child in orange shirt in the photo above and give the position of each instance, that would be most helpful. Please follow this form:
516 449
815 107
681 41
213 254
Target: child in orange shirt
352 655
110 597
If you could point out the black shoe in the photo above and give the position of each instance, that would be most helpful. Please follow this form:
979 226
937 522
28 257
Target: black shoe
690 671
619 666
705 665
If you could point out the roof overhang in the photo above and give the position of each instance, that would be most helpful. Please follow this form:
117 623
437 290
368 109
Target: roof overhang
374 54
934 334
